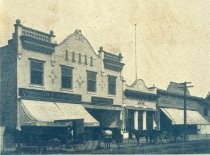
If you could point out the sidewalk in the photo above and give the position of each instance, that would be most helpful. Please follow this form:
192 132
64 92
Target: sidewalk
200 146
129 143
126 144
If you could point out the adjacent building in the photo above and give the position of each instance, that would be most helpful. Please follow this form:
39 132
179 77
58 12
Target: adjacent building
170 108
148 108
140 106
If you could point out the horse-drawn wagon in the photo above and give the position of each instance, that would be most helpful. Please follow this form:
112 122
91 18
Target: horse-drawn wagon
41 138
158 136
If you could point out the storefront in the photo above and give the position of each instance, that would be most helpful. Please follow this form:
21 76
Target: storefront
172 119
42 121
108 116
140 107
140 119
170 105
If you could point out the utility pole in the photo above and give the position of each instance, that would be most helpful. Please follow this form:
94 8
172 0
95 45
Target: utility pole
185 87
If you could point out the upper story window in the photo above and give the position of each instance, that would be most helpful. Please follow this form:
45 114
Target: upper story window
91 81
205 111
112 85
37 71
66 77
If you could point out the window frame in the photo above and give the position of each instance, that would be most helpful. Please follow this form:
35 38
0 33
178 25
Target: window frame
42 75
95 81
112 84
70 76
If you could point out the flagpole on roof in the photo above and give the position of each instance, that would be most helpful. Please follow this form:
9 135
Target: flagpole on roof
135 56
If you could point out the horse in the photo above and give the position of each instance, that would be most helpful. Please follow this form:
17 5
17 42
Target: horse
153 135
107 137
138 134
150 135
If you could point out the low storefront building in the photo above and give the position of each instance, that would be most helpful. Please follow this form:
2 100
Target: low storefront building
140 107
170 106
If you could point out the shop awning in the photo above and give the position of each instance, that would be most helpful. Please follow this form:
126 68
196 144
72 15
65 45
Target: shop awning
77 110
177 116
42 113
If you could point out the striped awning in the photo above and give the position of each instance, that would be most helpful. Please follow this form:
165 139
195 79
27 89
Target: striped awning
177 116
42 113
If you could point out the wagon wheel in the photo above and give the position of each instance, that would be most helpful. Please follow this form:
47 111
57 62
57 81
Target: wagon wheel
88 145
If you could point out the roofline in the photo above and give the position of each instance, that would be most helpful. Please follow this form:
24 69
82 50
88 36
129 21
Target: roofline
165 92
84 38
140 94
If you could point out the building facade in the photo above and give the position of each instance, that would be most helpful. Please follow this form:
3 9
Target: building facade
170 107
37 73
148 108
140 104
207 108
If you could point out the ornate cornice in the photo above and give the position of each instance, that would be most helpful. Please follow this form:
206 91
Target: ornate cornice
139 95
113 65
37 45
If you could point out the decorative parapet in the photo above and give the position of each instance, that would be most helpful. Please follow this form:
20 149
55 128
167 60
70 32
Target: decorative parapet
139 86
112 57
111 61
35 40
140 95
38 35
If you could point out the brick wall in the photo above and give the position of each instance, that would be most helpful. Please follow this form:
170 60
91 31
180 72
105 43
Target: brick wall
176 102
9 86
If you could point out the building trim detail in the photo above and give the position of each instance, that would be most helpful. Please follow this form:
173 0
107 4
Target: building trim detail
32 94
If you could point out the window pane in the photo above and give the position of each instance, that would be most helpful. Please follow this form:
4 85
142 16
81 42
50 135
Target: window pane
36 72
91 75
66 82
91 86
66 77
112 89
66 71
91 81
35 65
112 85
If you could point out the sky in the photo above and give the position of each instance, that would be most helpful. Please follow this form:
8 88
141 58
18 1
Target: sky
172 36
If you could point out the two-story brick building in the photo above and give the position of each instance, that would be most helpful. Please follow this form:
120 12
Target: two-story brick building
43 82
